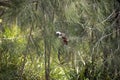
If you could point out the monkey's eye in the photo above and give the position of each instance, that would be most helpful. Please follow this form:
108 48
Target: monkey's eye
57 35
60 34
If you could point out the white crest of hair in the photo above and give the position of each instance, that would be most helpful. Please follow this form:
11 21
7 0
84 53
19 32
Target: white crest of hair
58 32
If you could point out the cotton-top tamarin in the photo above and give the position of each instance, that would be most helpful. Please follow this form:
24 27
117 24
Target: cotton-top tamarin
63 37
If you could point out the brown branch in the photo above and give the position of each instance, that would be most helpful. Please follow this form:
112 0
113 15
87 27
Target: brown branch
25 55
5 4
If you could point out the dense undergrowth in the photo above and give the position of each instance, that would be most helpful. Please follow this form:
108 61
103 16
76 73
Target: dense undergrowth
29 47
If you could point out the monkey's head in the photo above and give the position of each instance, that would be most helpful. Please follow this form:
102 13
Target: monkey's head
62 36
59 34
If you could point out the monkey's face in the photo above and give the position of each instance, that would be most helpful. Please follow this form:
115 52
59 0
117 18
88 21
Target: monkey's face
59 34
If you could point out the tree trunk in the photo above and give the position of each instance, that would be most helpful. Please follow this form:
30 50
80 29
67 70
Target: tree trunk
47 48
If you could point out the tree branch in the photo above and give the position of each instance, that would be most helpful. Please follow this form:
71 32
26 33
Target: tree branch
5 3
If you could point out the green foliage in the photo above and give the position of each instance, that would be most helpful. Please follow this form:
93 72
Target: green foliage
30 50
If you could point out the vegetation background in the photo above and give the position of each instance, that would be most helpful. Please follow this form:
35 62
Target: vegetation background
29 47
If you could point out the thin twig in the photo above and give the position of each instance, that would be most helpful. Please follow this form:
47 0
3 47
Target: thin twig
104 37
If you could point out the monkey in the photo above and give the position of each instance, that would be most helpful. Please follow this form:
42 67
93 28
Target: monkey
64 40
63 37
